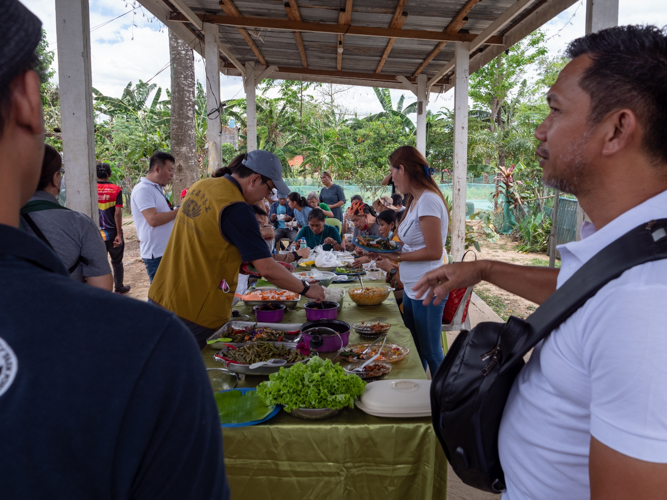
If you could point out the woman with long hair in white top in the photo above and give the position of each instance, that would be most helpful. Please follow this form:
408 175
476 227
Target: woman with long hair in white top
423 232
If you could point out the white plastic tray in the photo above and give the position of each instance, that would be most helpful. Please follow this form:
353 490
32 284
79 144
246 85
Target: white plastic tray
403 398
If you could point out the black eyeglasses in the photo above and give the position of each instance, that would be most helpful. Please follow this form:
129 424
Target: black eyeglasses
61 172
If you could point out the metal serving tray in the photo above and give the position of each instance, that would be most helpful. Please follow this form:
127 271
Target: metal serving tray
288 327
289 304
262 370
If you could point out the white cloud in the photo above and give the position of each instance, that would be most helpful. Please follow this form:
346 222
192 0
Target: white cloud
131 48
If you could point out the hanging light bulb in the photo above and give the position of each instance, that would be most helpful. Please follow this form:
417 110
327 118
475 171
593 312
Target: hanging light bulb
340 46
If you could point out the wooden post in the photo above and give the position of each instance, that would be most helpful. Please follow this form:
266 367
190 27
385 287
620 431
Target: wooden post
600 14
214 130
422 102
76 105
462 68
251 106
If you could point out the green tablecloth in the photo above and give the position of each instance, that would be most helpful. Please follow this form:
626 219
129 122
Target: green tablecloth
351 456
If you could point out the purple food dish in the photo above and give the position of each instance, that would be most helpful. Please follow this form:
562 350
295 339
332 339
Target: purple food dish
324 310
270 313
331 343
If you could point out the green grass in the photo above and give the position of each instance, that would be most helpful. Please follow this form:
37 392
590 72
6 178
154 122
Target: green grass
542 262
496 303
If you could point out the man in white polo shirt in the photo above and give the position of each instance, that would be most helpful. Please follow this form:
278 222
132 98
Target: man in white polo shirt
587 415
152 213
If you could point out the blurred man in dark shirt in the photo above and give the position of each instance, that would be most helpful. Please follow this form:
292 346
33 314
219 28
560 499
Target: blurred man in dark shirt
88 408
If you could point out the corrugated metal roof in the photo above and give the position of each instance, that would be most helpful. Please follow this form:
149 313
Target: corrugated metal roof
361 54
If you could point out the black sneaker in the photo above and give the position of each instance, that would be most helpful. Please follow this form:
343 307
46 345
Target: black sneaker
123 291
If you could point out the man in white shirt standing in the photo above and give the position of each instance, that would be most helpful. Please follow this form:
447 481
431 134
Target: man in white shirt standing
152 213
587 415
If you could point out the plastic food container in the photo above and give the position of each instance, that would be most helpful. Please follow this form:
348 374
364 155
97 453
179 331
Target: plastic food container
270 313
369 296
375 274
406 398
331 342
325 310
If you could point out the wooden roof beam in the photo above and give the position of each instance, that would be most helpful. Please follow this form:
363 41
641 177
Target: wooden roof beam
187 12
396 23
336 29
293 14
344 18
454 26
231 11
499 24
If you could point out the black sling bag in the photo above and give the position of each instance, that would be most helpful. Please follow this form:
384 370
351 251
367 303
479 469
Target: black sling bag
471 386
38 206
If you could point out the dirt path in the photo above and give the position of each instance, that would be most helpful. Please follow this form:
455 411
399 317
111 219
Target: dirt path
503 303
135 271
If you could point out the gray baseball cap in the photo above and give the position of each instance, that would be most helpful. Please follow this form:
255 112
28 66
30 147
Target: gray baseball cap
268 165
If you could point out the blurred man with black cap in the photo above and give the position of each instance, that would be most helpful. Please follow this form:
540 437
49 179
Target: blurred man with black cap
81 416
214 233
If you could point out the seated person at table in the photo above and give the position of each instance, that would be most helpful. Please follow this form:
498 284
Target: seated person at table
301 208
365 224
313 202
346 216
387 220
317 232
279 208
383 203
397 201
266 230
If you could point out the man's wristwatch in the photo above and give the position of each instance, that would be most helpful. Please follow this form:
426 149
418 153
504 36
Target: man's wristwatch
296 256
306 287
392 272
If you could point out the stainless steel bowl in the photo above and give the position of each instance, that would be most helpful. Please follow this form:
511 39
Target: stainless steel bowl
314 413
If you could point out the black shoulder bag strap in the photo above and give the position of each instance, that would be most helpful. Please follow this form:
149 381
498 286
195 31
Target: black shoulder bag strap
645 243
38 232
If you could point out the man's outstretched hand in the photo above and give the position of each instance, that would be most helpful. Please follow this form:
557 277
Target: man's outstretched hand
436 285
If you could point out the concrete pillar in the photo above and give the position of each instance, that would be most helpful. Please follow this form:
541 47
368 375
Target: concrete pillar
422 102
251 106
214 130
76 105
462 74
600 14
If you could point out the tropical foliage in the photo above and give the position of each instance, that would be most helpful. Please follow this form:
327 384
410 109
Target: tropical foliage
308 120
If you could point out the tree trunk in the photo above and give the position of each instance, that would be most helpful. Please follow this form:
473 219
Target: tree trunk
183 130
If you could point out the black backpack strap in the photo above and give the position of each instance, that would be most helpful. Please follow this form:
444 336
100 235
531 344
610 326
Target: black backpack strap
38 232
35 229
645 243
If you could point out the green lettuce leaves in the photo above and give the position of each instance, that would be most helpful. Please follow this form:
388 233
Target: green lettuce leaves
316 384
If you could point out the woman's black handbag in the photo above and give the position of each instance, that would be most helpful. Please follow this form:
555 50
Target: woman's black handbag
470 388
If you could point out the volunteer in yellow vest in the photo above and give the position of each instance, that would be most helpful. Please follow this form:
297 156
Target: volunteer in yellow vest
214 232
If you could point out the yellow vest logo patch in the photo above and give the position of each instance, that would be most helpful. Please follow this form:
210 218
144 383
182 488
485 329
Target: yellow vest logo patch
191 208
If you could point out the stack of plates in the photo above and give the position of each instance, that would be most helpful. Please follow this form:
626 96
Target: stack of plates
404 398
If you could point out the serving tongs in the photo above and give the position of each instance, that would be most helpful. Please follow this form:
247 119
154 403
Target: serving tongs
383 337
361 368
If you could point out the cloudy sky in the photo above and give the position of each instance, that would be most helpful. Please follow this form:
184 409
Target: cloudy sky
128 44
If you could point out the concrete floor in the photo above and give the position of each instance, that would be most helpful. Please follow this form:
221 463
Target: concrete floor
457 490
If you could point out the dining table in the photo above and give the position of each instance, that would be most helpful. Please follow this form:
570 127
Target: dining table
353 455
